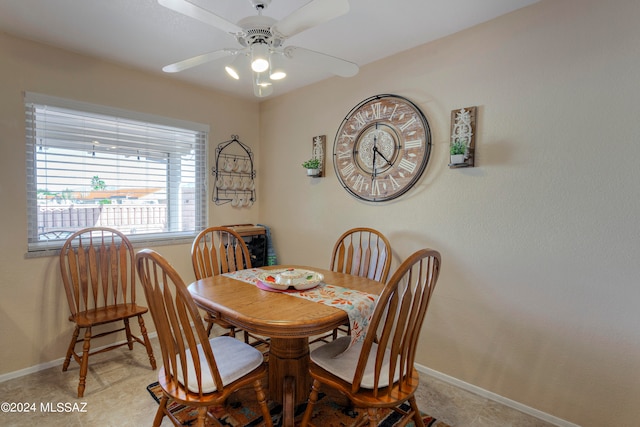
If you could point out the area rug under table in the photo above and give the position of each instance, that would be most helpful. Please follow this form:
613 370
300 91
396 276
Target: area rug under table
242 410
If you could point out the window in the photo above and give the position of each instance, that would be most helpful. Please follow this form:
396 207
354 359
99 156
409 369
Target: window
89 165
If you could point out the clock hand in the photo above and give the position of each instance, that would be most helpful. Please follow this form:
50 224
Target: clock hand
373 166
375 150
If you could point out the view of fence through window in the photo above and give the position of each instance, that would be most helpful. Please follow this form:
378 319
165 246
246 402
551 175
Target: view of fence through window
90 169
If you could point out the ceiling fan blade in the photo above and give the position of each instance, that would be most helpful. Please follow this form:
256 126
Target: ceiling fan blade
310 15
337 66
199 60
189 9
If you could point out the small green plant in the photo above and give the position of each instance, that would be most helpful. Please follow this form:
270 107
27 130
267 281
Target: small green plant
312 164
97 183
458 147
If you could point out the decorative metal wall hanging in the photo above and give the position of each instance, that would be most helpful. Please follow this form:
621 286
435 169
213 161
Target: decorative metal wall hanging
234 174
463 131
318 150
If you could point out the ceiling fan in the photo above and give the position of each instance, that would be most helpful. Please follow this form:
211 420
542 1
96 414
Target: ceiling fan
262 38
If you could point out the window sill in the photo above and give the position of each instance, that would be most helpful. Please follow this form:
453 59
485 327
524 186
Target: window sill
138 245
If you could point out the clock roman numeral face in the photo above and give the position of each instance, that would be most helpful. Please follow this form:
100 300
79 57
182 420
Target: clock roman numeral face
382 148
406 125
407 166
415 143
376 109
348 170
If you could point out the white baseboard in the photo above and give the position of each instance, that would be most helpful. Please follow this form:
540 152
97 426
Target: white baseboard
495 397
30 370
42 366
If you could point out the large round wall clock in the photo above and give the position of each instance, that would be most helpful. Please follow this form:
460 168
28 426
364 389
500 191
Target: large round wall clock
382 148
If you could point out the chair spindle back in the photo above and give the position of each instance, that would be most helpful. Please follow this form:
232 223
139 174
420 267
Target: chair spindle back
97 266
178 323
362 252
218 250
398 318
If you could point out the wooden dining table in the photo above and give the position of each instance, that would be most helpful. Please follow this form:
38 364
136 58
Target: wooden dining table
287 320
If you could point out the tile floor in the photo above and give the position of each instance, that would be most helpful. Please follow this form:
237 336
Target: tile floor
116 396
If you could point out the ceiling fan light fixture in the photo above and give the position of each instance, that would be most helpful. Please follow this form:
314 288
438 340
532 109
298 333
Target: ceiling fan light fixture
261 79
278 75
262 91
261 85
259 65
233 66
276 72
232 72
259 57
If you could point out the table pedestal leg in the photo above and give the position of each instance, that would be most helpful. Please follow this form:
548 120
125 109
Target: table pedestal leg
288 399
289 380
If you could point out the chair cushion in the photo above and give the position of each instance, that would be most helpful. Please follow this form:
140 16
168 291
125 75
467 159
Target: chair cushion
341 360
235 359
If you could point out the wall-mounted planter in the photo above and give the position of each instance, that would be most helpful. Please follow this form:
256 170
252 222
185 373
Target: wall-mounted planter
457 159
317 157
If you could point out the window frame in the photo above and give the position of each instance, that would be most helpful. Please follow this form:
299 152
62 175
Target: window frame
37 247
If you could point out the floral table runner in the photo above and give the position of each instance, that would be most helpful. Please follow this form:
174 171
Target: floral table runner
358 305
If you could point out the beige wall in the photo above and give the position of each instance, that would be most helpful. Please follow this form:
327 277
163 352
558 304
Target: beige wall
538 297
537 300
33 311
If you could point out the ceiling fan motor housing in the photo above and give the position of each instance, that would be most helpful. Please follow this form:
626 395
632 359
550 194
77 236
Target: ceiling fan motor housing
257 29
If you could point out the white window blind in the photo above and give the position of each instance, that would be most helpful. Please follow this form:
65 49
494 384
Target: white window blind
90 165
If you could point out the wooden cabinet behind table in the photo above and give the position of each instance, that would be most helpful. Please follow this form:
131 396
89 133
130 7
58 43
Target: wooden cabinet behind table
255 237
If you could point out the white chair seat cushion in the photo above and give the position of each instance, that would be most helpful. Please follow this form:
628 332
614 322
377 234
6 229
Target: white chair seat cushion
334 357
235 359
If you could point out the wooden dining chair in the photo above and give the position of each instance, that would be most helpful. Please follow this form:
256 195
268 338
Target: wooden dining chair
196 371
362 252
98 272
219 250
378 372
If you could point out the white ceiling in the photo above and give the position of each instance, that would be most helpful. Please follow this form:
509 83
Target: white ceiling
145 35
